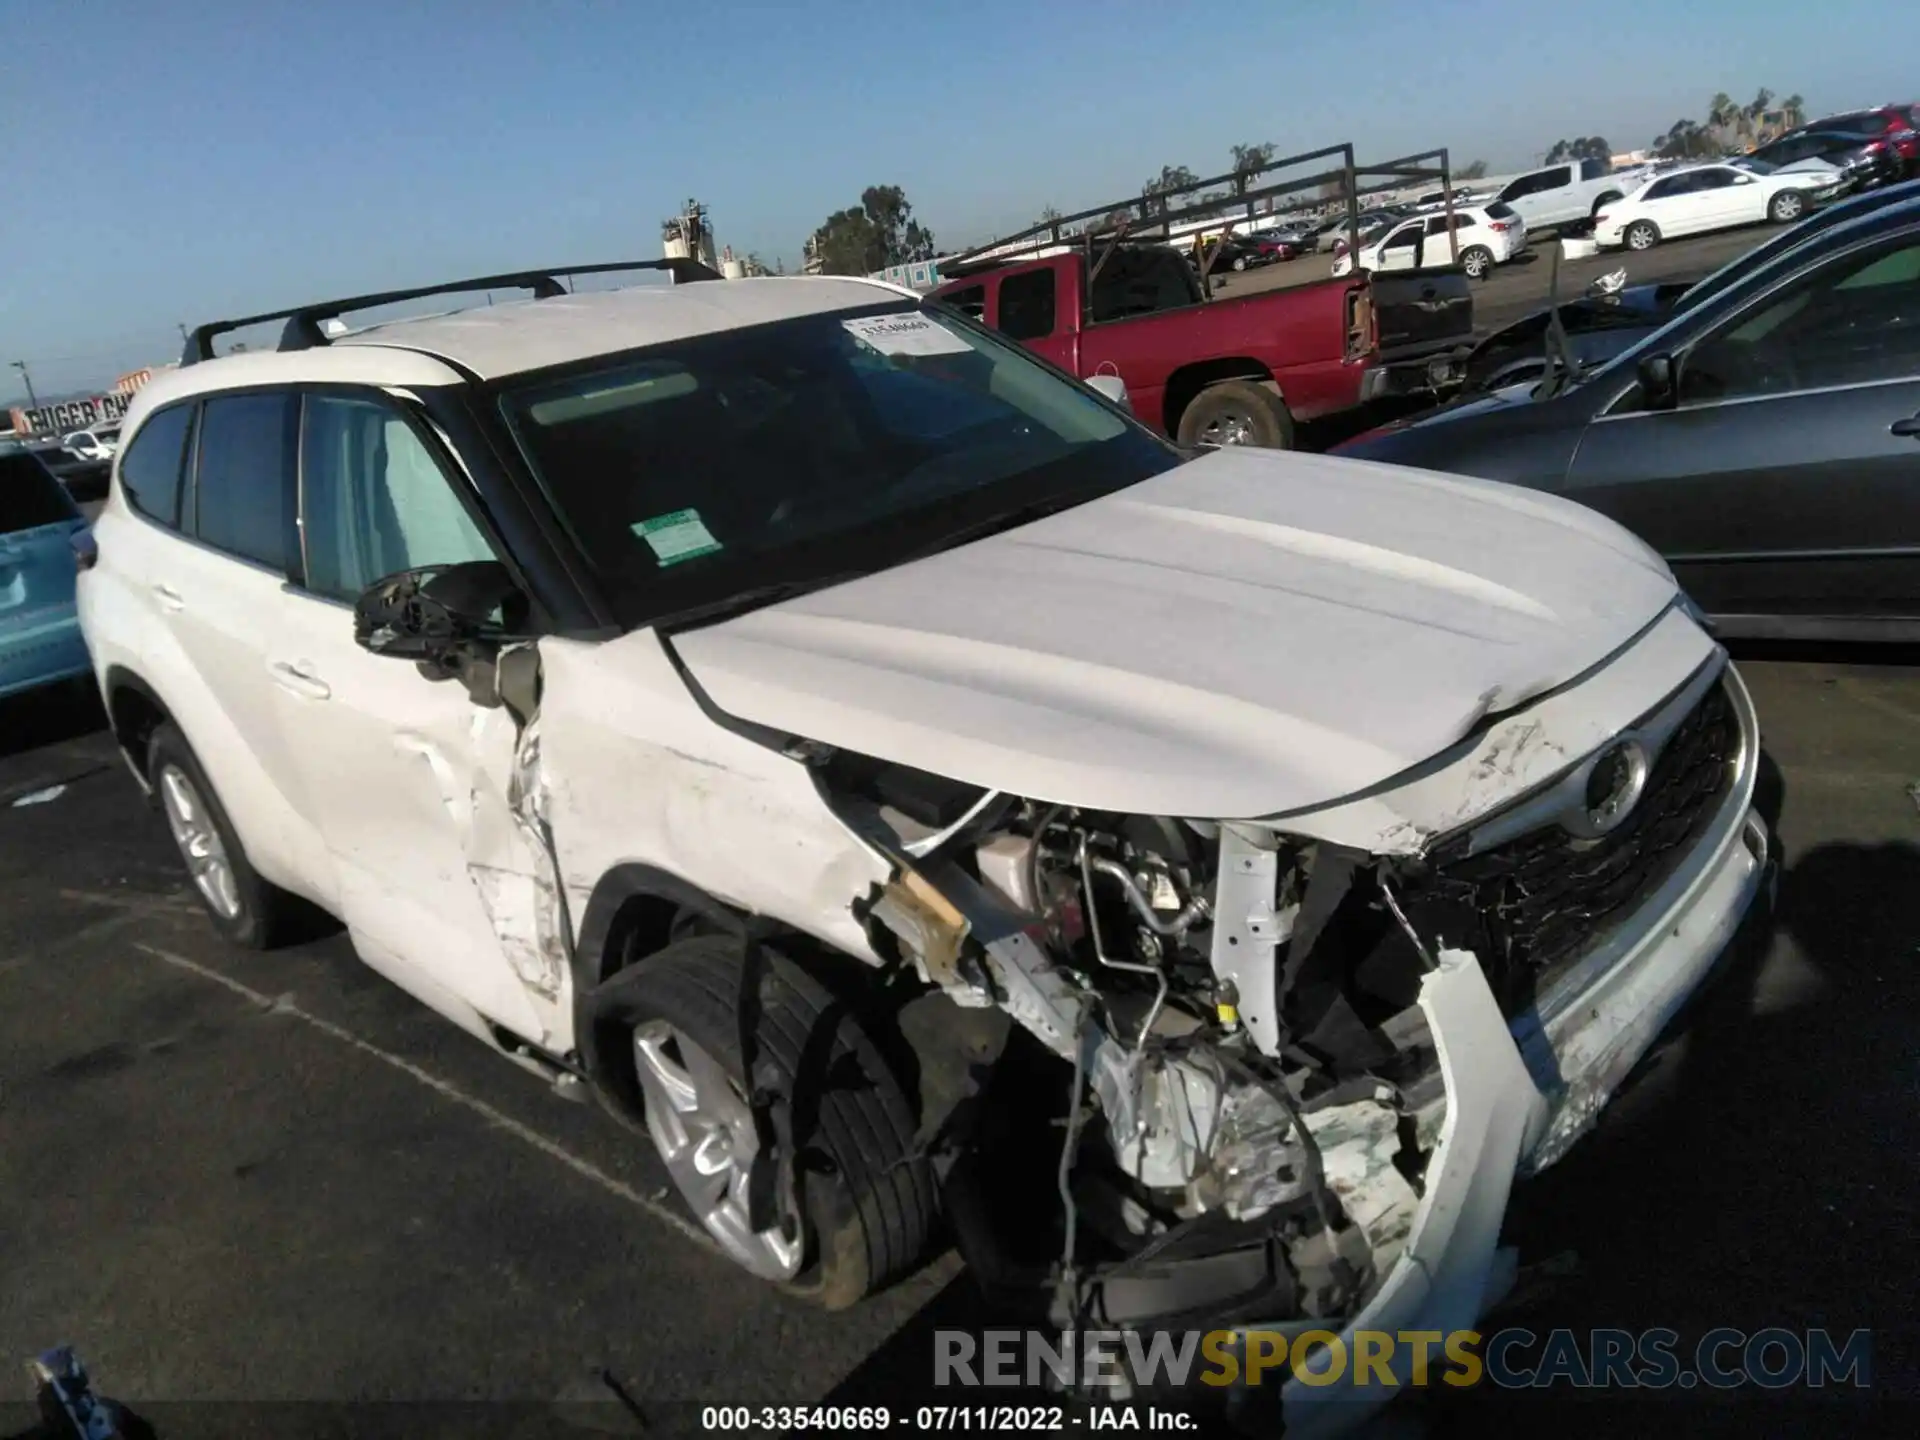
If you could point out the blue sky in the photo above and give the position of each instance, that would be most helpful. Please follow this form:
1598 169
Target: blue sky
178 162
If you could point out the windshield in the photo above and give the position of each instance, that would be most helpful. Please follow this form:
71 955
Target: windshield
29 495
719 472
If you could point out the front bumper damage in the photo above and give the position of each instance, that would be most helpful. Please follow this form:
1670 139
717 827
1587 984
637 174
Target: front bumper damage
1519 1094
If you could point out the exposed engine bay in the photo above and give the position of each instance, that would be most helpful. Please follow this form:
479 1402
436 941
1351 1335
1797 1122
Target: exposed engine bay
1249 1078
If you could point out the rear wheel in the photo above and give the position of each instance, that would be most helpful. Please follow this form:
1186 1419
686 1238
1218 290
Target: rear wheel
1605 200
1237 412
1478 262
1239 262
247 910
1786 207
1642 235
860 1205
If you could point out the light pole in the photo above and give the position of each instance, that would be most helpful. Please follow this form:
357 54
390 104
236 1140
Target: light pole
33 401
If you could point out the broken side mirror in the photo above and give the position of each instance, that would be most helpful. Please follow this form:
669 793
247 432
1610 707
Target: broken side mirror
1659 381
450 620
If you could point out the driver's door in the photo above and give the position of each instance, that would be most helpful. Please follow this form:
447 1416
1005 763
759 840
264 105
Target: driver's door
1785 483
399 770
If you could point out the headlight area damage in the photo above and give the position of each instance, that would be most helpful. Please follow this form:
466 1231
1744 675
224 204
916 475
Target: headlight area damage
1280 1081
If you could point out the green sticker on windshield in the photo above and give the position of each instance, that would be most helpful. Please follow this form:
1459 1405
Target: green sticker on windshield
683 535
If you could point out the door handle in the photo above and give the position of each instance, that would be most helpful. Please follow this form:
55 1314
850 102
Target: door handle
298 680
1909 427
169 597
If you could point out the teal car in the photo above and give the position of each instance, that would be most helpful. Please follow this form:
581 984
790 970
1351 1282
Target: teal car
42 534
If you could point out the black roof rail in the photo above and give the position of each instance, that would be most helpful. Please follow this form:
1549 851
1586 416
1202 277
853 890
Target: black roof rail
304 322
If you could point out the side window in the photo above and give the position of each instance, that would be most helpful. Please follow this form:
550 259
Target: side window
1854 321
971 302
373 501
150 467
1026 304
242 479
1662 189
1594 169
1405 238
1714 179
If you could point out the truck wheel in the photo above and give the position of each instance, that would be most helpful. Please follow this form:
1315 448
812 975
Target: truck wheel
247 910
1605 200
1237 412
1642 235
1477 262
863 1203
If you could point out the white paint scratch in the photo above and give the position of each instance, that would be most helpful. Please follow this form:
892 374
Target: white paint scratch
286 1005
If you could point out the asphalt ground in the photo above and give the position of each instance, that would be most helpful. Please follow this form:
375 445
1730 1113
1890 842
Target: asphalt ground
271 1194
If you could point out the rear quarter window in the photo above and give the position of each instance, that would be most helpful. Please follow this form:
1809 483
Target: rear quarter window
1500 211
30 496
150 467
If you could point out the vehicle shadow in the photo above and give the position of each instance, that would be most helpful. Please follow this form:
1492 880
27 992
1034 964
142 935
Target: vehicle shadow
50 715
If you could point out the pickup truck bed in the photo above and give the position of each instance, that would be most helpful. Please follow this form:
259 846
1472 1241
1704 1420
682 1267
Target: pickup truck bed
1312 349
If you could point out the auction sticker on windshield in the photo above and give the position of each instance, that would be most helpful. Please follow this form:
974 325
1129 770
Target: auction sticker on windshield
682 535
905 335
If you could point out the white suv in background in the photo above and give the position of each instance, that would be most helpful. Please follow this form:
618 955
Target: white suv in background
845 745
1483 236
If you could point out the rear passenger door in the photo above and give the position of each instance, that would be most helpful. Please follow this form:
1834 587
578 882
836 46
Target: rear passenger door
217 588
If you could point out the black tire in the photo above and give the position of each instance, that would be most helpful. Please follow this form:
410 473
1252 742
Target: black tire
868 1199
1239 262
1241 404
1641 235
1605 200
265 912
1786 208
1477 261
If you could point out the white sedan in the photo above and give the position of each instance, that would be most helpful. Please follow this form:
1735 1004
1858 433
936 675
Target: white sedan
1485 236
1710 197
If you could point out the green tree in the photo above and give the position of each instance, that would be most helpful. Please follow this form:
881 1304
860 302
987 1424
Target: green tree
1472 170
1171 178
1587 147
1795 110
879 232
1246 160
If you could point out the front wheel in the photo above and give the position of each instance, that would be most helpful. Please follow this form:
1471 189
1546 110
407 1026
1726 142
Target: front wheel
856 1204
1786 207
1237 412
1477 262
1641 235
1239 262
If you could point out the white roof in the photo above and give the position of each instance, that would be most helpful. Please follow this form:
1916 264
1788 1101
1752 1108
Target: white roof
496 340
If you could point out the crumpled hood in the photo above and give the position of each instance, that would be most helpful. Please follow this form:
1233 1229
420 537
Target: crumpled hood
1249 633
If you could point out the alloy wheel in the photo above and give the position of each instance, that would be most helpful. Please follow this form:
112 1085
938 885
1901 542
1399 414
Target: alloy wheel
199 841
703 1129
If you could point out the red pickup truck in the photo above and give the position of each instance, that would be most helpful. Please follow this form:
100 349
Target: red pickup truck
1232 371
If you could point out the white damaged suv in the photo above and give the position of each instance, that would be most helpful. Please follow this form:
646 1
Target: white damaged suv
919 798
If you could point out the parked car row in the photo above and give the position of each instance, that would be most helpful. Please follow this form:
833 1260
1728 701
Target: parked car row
1480 238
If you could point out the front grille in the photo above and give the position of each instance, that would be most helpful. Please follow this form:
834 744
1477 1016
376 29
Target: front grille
1531 907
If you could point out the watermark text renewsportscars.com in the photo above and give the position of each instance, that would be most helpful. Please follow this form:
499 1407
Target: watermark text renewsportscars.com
1515 1358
